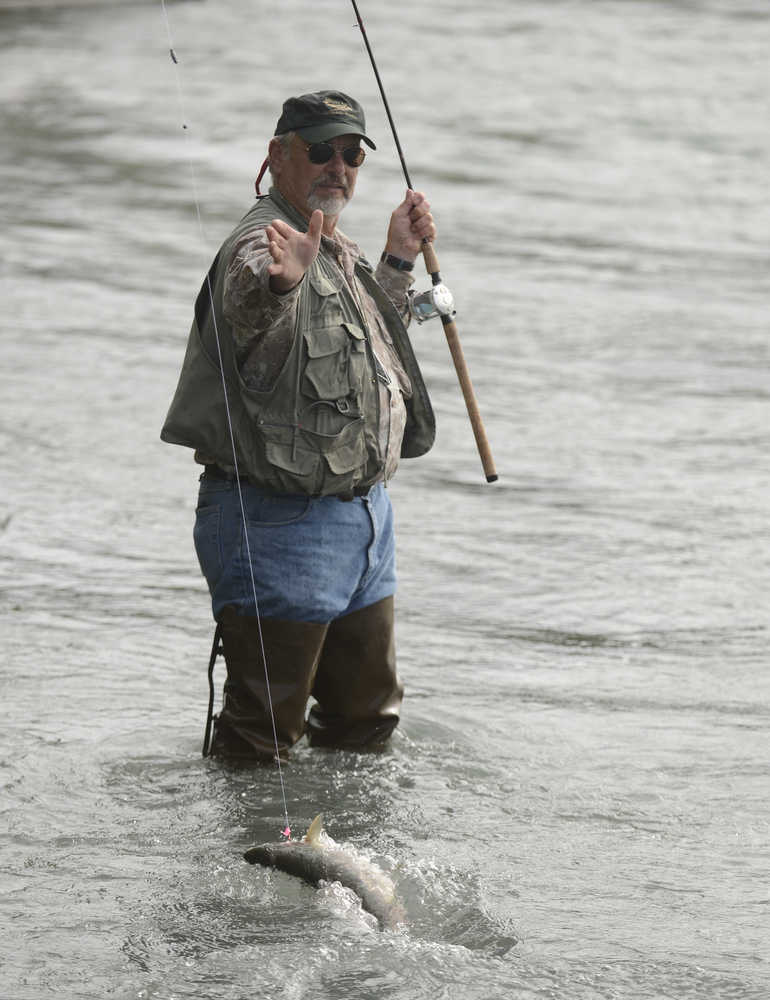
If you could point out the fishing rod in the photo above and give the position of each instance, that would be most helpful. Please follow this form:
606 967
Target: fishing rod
438 301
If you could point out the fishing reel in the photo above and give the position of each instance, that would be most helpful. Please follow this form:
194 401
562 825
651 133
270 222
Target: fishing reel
437 301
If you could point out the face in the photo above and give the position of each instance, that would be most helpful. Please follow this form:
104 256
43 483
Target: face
308 186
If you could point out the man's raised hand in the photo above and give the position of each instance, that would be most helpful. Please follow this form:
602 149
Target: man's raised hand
292 252
410 224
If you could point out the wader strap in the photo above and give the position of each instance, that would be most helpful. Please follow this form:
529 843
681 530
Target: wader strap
216 649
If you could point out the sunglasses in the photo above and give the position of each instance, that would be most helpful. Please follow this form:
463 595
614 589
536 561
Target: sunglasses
322 152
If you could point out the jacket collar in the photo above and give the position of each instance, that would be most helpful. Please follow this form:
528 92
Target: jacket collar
299 220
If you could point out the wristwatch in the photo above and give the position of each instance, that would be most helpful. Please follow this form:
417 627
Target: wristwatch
397 262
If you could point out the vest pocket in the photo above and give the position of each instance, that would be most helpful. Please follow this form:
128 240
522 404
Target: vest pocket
346 457
314 463
336 362
292 459
326 309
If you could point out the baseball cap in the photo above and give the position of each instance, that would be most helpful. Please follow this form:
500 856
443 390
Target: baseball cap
322 116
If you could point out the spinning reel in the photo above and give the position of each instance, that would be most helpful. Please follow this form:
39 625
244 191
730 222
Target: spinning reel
437 301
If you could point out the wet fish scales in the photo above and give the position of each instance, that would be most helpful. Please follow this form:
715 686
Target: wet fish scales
314 861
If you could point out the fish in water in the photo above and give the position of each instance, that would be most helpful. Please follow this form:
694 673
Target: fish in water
317 858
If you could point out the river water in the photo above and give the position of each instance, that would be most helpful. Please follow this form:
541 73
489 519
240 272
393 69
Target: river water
576 804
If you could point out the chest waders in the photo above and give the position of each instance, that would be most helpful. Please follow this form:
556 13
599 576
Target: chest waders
347 666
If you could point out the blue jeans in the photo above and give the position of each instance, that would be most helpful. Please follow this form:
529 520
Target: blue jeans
313 559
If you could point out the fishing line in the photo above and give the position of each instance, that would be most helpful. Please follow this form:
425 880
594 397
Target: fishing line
286 832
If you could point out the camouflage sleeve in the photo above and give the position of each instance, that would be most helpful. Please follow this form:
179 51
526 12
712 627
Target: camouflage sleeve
262 322
250 307
396 284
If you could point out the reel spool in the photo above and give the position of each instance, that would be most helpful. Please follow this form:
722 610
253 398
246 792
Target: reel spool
437 301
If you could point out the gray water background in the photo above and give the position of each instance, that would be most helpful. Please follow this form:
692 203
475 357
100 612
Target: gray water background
582 765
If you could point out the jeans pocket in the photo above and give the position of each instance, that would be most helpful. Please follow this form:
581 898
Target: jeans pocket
270 511
207 535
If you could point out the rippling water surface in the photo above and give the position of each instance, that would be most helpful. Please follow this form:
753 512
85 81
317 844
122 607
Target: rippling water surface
576 804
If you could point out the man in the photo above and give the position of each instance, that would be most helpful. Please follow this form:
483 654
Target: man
323 396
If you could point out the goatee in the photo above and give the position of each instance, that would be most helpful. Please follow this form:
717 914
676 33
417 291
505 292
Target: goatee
330 204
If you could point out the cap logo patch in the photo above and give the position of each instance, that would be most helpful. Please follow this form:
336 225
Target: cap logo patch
338 106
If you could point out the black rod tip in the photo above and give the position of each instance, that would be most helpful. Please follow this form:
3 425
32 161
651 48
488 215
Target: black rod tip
492 478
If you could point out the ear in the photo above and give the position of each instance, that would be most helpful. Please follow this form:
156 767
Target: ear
275 155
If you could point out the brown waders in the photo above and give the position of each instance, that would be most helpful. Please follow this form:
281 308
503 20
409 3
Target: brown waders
348 666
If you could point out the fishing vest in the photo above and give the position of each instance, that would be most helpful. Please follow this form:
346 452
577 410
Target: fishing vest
315 430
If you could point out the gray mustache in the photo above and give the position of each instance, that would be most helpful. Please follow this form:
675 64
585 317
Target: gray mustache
339 182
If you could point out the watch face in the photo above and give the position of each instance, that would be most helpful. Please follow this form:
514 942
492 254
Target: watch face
443 299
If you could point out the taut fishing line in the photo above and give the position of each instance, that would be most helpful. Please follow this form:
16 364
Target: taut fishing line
286 832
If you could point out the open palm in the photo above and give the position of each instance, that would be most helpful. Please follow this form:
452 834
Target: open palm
292 252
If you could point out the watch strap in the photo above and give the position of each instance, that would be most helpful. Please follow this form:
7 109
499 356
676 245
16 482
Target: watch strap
397 262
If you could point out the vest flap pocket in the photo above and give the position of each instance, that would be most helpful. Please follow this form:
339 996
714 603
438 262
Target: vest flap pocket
326 340
345 459
351 433
348 455
323 285
357 334
297 461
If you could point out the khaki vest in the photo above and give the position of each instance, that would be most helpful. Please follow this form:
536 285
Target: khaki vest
316 430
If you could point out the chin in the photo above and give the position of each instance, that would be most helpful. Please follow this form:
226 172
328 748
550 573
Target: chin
331 205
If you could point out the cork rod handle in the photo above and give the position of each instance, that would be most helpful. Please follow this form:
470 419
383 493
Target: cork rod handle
455 349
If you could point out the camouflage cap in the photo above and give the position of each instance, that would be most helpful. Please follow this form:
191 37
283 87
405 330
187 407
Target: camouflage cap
322 116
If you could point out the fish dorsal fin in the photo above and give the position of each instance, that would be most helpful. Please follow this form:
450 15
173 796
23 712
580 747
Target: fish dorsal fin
314 830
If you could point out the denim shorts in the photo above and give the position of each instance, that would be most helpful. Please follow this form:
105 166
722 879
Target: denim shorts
314 559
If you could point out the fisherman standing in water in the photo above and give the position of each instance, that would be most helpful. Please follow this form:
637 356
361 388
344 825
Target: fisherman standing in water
323 396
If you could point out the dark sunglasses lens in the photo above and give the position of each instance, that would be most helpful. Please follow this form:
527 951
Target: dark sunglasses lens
322 152
353 156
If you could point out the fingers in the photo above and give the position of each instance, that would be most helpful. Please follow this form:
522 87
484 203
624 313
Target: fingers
277 263
422 224
315 226
424 227
276 246
279 235
285 242
292 252
275 235
416 202
411 225
417 208
281 228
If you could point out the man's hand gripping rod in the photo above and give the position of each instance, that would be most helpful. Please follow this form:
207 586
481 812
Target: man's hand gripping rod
445 311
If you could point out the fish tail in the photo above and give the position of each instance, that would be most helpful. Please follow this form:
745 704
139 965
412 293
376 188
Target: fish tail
314 831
